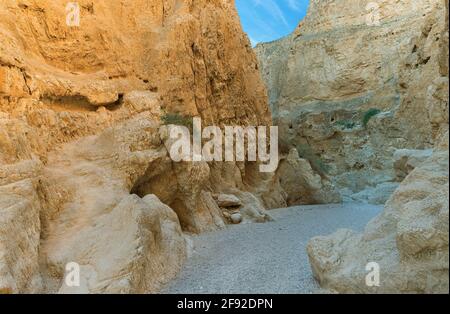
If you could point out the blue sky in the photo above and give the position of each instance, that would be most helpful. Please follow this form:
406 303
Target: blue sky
267 20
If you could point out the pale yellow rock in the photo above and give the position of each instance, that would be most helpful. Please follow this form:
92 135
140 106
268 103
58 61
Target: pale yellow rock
323 79
302 184
406 160
339 63
19 237
121 252
80 118
409 240
227 200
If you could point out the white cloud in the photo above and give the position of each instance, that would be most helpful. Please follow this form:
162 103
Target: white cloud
293 4
272 8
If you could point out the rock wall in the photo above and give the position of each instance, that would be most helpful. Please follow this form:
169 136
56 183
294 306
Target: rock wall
408 241
348 92
369 102
85 175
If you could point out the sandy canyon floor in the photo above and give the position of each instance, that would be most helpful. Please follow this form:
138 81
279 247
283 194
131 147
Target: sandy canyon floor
269 257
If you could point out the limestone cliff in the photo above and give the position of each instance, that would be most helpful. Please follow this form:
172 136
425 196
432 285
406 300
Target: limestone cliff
354 83
408 241
367 93
84 173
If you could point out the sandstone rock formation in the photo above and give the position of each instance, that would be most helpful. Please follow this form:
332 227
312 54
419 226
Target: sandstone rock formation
85 175
363 95
302 185
409 240
226 200
406 160
374 195
348 92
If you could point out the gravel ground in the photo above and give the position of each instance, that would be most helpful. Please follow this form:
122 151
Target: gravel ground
265 258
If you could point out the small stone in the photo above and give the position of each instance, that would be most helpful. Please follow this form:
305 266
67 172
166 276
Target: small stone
236 218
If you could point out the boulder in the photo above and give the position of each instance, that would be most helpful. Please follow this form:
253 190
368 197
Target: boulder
406 160
236 218
408 243
227 200
302 184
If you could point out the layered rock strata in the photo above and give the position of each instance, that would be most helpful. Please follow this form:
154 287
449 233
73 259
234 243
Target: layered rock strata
85 175
357 81
361 87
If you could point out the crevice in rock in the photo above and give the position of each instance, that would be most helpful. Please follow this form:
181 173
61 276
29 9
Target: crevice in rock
160 180
24 74
150 183
78 103
68 103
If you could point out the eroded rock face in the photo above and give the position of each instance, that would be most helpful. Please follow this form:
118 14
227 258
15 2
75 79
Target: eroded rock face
347 92
19 237
406 160
227 200
302 184
369 101
409 240
85 175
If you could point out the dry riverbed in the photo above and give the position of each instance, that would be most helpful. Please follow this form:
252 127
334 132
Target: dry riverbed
269 257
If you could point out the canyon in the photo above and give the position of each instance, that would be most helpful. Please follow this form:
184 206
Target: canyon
351 96
86 174
366 102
